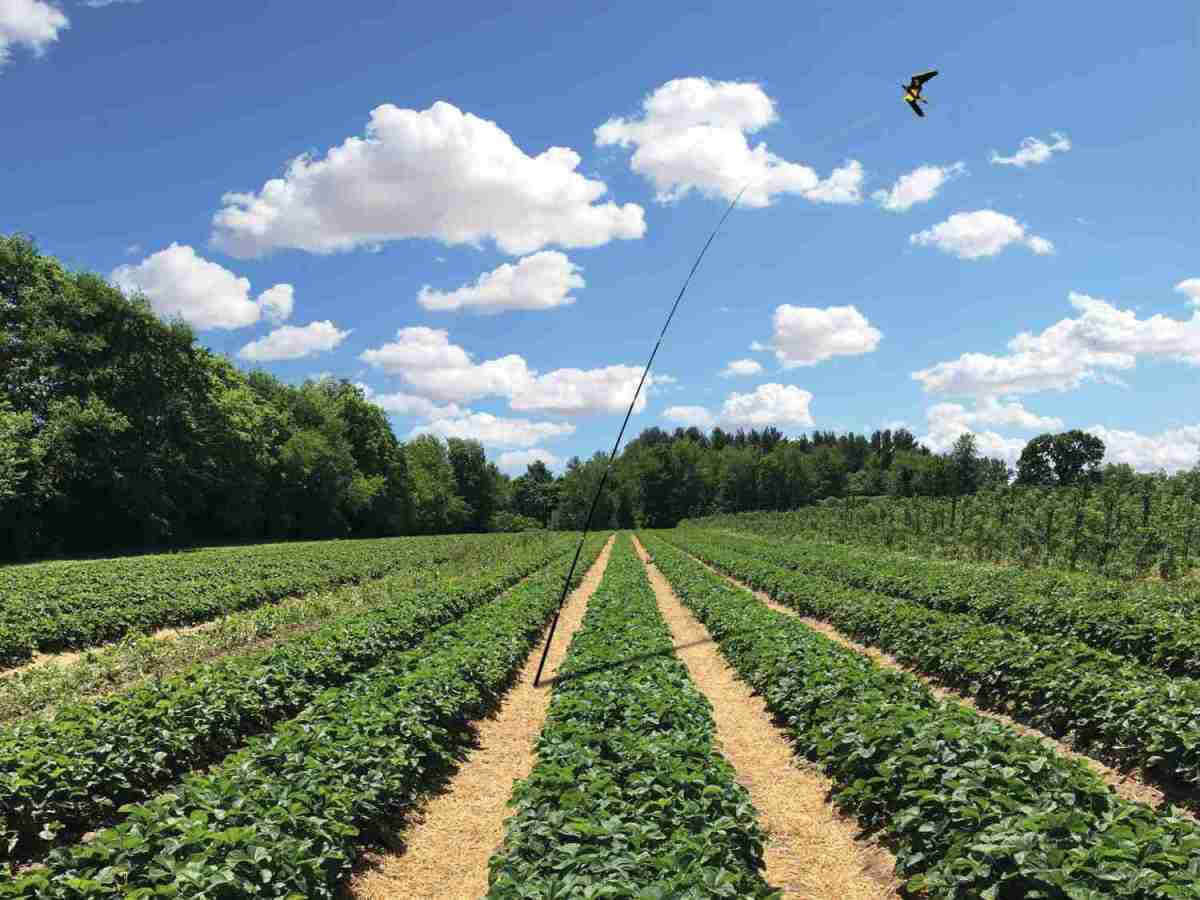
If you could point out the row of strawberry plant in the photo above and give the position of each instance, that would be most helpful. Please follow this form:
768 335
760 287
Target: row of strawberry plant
1104 704
1098 612
628 797
70 772
137 657
284 816
62 605
971 809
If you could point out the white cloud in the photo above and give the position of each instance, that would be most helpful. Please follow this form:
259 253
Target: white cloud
178 282
438 173
519 460
690 415
33 23
1034 151
1190 287
742 367
948 421
583 391
294 342
277 303
426 360
692 136
1172 450
806 335
918 186
541 281
844 185
401 404
1101 341
984 232
769 404
99 4
495 431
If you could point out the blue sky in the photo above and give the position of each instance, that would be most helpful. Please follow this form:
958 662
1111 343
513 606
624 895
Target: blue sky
872 298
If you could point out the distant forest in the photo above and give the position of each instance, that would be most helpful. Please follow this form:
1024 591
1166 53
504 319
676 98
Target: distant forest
118 432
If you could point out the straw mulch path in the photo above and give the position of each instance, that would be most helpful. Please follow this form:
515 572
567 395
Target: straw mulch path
448 845
812 851
1127 785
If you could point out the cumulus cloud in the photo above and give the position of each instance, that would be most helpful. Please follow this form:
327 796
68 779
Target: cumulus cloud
690 415
918 186
1190 288
806 335
438 173
780 405
541 281
740 367
1173 450
179 282
947 422
34 24
495 431
409 405
768 404
1033 151
692 136
277 303
984 232
294 342
519 460
1101 341
427 360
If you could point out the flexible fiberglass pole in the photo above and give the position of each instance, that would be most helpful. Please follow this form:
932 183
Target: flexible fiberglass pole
616 444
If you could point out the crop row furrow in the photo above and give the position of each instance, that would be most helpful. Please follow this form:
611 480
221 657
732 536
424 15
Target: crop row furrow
68 773
69 605
972 809
1101 614
1102 704
283 816
628 799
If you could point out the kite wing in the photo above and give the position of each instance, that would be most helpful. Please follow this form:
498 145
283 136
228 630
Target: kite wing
916 107
923 77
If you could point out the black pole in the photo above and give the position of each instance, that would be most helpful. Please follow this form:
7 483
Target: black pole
617 443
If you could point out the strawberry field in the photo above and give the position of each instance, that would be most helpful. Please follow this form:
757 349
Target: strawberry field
296 764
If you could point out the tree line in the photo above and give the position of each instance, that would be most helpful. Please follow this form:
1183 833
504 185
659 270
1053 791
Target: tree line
119 432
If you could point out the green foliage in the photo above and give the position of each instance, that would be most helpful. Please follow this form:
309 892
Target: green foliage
970 808
1127 526
70 772
1147 623
628 799
283 816
1060 459
1105 704
73 604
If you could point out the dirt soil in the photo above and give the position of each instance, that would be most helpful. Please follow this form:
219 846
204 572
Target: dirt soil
812 850
447 845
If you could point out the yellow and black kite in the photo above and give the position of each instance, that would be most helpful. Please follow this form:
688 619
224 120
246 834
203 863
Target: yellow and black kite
912 91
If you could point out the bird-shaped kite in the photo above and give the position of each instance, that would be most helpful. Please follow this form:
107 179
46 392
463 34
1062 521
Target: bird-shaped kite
912 91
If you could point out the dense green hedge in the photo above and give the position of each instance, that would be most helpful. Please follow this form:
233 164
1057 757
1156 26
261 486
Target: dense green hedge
972 809
283 816
1104 704
73 771
628 798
